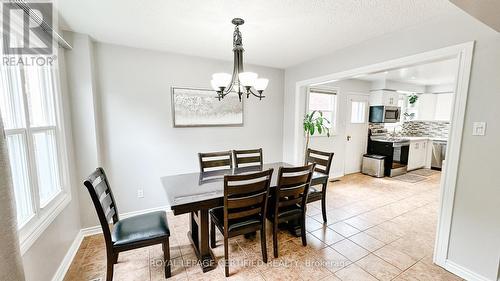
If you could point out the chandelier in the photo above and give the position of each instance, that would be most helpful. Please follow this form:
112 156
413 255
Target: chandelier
240 82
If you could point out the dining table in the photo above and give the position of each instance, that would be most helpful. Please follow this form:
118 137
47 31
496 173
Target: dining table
197 193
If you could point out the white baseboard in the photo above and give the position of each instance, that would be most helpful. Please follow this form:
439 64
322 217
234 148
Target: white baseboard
91 230
463 272
84 232
68 258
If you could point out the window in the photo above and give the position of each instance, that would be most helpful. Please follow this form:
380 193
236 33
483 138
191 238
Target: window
27 103
358 112
324 100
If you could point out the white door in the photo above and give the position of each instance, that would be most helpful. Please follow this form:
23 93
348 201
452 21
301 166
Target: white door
356 132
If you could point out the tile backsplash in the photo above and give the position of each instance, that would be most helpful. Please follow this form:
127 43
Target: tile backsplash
436 129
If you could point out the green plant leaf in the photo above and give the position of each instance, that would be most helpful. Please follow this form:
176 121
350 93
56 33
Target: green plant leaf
320 129
312 115
311 129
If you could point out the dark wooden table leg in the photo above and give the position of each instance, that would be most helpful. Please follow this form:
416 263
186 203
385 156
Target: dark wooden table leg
199 236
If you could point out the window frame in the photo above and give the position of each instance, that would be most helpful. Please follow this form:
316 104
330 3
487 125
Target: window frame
43 215
335 91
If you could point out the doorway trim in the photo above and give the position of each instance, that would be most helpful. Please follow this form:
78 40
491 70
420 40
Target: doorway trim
464 53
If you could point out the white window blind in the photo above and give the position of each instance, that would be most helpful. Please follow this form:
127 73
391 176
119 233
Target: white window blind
324 100
358 112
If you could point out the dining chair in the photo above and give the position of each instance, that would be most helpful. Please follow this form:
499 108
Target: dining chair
244 210
250 157
215 161
126 234
290 199
323 161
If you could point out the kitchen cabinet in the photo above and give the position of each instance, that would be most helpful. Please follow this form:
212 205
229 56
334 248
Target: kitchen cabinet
382 97
418 156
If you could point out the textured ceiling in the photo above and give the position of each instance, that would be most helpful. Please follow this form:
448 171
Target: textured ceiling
277 33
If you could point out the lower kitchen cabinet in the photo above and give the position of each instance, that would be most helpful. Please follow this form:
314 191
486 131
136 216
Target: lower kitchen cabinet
418 156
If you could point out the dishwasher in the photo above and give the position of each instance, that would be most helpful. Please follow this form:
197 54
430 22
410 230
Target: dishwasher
438 154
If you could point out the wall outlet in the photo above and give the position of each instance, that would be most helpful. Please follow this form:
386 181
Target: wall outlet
140 193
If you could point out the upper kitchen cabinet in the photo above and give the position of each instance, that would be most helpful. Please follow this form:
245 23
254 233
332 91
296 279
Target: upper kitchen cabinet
434 107
383 97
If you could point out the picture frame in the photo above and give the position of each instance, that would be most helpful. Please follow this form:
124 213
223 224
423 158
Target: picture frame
198 107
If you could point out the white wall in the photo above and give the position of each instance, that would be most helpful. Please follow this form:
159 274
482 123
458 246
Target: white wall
139 143
336 142
84 113
474 239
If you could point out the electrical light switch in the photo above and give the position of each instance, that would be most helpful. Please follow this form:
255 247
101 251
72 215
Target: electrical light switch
478 128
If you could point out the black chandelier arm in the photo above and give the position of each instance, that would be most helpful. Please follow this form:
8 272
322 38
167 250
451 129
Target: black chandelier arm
259 95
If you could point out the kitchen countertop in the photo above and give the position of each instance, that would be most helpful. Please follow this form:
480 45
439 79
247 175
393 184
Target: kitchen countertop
405 138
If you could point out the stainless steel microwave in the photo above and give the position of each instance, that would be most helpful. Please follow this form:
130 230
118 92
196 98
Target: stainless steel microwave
384 114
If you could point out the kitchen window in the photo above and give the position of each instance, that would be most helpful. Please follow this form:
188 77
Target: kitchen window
324 100
29 107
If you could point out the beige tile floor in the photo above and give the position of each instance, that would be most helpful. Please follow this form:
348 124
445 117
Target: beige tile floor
378 229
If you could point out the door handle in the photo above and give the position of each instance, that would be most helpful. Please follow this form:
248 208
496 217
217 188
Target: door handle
348 138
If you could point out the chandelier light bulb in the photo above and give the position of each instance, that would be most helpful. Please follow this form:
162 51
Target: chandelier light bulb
214 85
247 79
261 84
221 80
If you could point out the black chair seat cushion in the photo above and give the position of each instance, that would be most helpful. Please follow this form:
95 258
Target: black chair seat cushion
140 228
217 214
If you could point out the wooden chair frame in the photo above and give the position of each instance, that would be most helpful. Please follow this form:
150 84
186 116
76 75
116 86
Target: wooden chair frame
243 201
207 164
321 159
291 190
239 158
103 199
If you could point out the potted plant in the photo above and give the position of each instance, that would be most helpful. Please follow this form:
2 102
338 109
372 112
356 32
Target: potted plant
412 99
315 122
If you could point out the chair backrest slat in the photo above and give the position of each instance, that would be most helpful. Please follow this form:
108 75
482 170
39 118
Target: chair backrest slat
249 188
245 201
293 180
110 213
246 195
292 191
293 187
106 201
100 192
323 160
215 161
245 213
248 157
100 188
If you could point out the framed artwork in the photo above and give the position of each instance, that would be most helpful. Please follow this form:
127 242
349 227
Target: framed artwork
201 108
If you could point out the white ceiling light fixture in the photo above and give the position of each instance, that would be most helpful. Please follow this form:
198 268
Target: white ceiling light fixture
240 82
